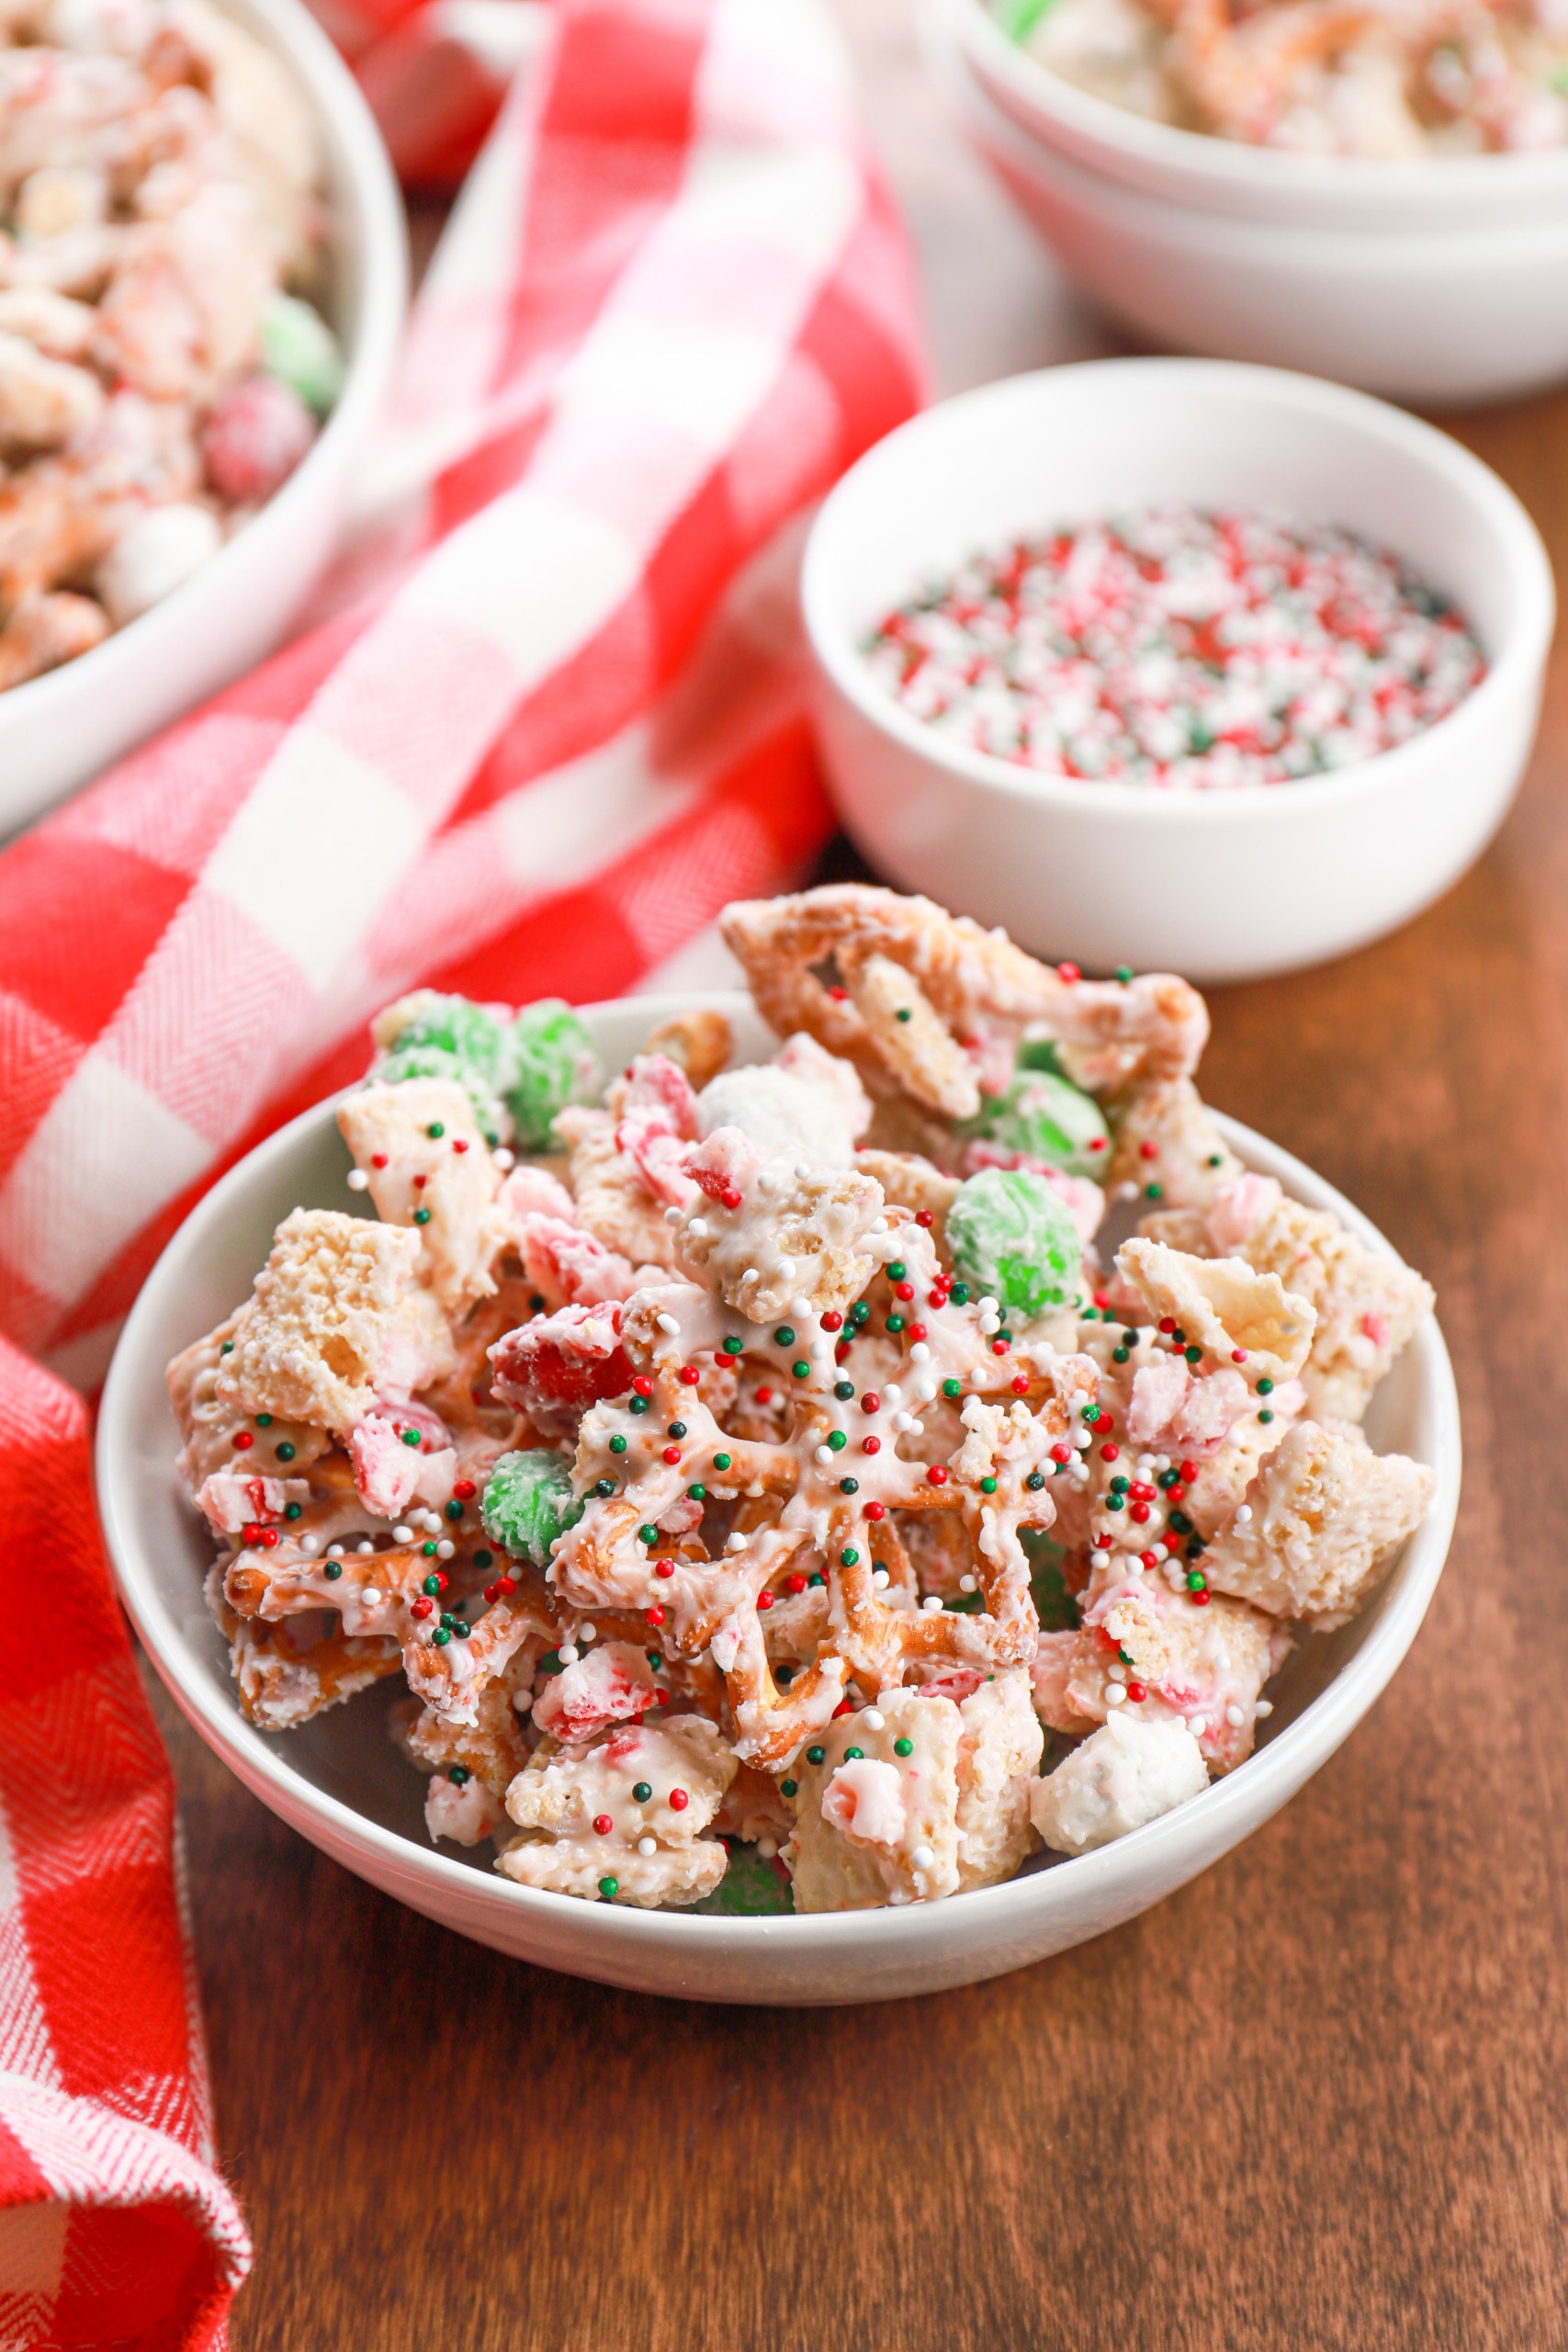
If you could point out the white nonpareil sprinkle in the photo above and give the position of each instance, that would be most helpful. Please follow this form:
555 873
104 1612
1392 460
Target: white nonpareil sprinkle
1264 1707
588 1633
697 1229
522 1702
881 1579
402 1534
358 1180
1115 1694
671 1216
1198 1725
926 1389
446 1548
988 1306
1244 1512
873 1718
568 1652
365 1550
648 1846
803 1169
968 1584
736 1542
920 1353
767 1847
1099 1559
922 1858
903 1420
931 1604
786 1270
1235 1716
824 1457
892 1394
335 1551
668 1322
503 1159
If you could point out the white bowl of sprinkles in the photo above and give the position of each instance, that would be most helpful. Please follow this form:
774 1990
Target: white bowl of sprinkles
340 1782
1222 884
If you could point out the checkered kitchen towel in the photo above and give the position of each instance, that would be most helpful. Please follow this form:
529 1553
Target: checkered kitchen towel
549 720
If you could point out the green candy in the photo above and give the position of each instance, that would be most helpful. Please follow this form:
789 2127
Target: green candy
446 1036
1045 1117
1018 19
1012 1236
528 1502
553 1063
749 1889
299 349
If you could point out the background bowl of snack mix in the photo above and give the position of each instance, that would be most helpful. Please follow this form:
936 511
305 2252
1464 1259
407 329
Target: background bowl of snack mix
1424 276
1110 866
201 298
340 1782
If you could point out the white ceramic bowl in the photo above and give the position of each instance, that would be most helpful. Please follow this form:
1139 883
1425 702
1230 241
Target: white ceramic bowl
1216 885
1439 280
342 1785
60 730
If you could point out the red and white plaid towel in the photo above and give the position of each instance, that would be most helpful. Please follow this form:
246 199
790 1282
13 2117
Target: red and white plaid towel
551 717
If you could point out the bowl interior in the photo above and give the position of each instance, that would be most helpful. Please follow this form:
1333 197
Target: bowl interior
342 1768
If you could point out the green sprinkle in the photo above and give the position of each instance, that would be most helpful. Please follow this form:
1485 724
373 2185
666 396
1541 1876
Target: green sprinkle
608 1889
1115 1502
428 1550
987 1486
1265 1415
1193 1355
487 1559
734 1347
815 1755
435 1131
264 1421
849 1486
1119 1355
333 1570
638 1405
1035 1480
894 1323
227 1348
676 1429
1196 1581
959 1293
905 1012
1216 1160
801 1370
721 1461
655 1659
843 1390
789 1788
293 1510
460 1775
422 1217
1265 1388
441 1637
953 1388
1153 1192
785 1336
432 1584
648 1534
849 1557
816 1576
853 1755
602 1487
697 1494
903 1748
454 1511
410 1437
461 1630
895 1271
642 1791
1123 973
617 1446
284 1451
836 1441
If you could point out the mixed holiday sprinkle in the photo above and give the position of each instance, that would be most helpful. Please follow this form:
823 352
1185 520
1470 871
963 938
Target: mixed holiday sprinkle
1180 649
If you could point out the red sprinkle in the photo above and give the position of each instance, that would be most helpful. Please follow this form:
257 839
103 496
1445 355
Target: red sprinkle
1149 1151
998 1347
730 1197
672 1455
378 1160
903 1290
1189 1470
420 1182
641 1386
871 1402
936 1476
870 1445
1020 1384
655 1615
243 1439
1068 972
1238 1355
763 1396
689 1374
603 1824
1168 1324
678 1800
843 1708
464 1490
1111 1454
875 1510
664 1567
795 1583
764 1600
459 1144
916 1331
832 1321
421 1608
922 1217
1136 1691
1102 1298
1199 1599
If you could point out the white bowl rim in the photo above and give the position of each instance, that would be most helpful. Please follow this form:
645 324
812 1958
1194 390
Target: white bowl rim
1511 671
341 108
1240 1798
1233 163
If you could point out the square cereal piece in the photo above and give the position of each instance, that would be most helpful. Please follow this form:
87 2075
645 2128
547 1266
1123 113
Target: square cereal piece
335 1319
883 1827
685 1766
432 1158
1326 1512
1000 1753
795 1235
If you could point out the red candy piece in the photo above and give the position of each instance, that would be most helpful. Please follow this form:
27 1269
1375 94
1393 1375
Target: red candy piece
555 1367
253 439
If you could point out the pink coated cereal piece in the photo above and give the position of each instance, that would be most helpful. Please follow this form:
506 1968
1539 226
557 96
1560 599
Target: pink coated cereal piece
231 1502
657 1119
533 1191
385 1471
253 439
721 1163
613 1684
563 1260
1236 1209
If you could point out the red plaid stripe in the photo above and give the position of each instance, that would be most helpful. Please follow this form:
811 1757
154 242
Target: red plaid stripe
542 732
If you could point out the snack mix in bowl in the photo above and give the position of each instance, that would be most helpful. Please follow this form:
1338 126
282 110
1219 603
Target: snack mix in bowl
1322 77
161 371
774 1483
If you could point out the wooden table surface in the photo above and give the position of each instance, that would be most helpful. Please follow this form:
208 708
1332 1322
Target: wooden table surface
1313 2100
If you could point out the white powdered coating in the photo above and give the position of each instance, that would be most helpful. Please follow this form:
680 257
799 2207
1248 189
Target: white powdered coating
1126 1774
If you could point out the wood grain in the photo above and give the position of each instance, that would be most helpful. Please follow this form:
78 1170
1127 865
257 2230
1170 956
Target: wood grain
1314 2101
